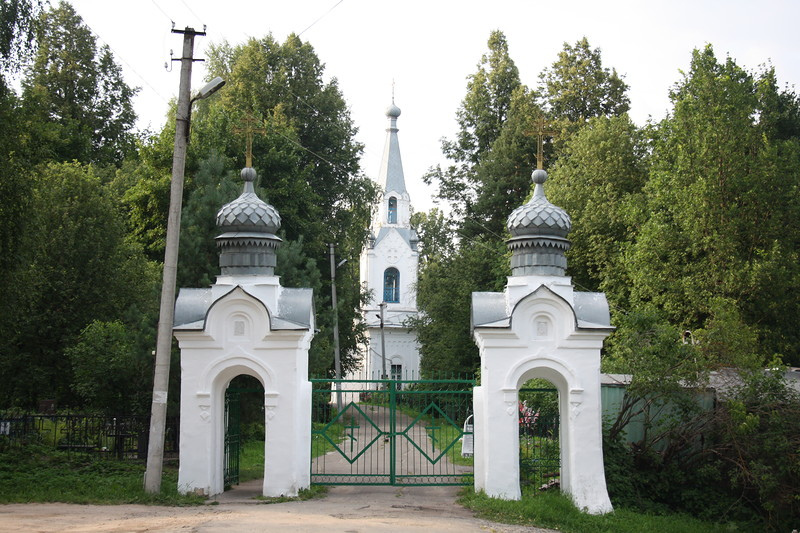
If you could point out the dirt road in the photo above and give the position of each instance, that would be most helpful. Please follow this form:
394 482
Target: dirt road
343 510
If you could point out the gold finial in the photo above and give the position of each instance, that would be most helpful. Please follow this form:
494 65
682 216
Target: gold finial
249 130
543 129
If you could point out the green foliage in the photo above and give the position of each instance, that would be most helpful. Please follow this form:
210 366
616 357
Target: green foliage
444 295
76 268
32 474
503 175
17 31
723 219
598 180
758 441
77 104
435 236
110 374
577 87
551 509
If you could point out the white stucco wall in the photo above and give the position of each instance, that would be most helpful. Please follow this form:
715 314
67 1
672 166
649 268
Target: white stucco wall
237 339
542 341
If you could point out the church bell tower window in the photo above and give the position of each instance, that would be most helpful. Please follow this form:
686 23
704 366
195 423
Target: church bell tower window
392 210
391 285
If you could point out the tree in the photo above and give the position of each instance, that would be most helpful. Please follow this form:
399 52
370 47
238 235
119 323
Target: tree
76 268
307 161
110 374
598 179
444 295
577 87
17 30
503 175
435 235
724 219
77 104
480 117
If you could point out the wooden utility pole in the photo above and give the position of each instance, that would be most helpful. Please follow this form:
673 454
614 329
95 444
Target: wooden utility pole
158 412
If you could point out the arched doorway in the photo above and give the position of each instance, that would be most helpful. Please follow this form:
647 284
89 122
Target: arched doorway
244 431
539 435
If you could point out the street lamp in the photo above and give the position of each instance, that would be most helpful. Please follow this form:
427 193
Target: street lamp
208 89
158 412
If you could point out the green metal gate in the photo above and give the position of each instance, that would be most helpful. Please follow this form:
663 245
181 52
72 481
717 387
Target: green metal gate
391 432
539 447
232 436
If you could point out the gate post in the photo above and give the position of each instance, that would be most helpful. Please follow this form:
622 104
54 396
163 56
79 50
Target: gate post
246 323
540 327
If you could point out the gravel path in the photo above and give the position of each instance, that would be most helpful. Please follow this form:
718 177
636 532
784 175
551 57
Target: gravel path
343 510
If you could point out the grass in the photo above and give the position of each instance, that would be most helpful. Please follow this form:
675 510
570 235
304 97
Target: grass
251 460
41 474
445 435
552 509
319 444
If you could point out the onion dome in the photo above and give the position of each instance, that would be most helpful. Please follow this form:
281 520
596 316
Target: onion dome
538 234
392 111
248 242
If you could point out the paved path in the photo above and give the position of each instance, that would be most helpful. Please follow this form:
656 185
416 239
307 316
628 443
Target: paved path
342 510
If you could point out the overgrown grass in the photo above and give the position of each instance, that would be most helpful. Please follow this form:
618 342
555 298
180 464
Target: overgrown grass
251 460
552 509
41 474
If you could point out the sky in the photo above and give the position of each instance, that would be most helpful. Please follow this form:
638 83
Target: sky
425 50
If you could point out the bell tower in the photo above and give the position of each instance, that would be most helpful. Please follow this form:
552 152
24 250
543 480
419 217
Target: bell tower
389 270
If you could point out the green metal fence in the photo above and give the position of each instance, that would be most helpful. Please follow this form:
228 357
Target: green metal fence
391 432
539 451
233 436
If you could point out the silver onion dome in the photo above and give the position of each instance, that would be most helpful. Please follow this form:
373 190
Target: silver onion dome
249 225
538 234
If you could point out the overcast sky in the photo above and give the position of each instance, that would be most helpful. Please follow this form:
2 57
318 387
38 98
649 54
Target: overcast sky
430 47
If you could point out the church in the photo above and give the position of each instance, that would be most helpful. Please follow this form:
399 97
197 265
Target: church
388 271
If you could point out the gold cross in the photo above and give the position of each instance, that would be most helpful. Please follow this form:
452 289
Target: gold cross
541 132
249 129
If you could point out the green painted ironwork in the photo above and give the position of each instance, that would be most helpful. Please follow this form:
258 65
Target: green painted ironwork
391 432
233 436
539 449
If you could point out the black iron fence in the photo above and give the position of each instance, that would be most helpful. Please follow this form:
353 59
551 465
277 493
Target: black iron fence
116 437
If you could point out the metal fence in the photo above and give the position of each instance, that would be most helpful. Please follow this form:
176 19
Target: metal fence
116 437
539 447
391 432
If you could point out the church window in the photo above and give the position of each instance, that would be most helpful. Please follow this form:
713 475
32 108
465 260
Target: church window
392 210
397 372
391 285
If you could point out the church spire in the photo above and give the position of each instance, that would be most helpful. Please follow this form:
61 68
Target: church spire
391 172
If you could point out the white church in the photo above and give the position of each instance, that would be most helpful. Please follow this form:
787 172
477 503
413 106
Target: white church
388 268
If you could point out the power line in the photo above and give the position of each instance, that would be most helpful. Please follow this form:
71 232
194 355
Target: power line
163 12
193 13
320 18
